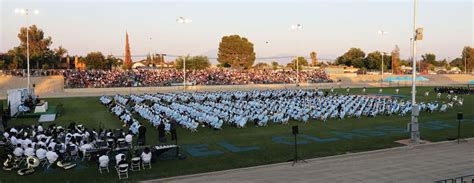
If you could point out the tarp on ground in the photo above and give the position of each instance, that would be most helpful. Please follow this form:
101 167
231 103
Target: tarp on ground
405 78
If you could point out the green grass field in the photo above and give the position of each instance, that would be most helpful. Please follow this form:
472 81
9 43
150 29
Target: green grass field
88 111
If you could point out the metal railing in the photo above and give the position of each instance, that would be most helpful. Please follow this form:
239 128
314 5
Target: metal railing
462 179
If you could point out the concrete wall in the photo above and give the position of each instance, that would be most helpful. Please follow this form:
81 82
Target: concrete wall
53 86
45 86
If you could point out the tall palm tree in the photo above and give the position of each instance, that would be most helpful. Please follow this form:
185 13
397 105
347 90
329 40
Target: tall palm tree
60 51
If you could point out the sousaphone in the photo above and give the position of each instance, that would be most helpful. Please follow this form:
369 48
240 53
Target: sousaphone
32 163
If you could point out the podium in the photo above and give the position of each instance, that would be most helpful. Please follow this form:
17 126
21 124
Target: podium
41 107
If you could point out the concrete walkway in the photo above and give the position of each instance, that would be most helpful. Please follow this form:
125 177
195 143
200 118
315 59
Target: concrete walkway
422 163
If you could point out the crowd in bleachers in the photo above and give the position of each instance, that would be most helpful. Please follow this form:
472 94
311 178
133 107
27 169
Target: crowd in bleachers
141 78
33 72
261 107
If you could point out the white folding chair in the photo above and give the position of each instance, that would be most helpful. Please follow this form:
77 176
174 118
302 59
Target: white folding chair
122 171
101 168
146 163
135 164
86 155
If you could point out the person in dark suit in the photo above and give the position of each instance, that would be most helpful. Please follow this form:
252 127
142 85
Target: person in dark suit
141 134
161 133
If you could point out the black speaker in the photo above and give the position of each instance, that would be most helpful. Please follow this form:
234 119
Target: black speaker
460 116
295 129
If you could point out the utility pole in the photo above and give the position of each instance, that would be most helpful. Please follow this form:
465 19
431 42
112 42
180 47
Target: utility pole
417 35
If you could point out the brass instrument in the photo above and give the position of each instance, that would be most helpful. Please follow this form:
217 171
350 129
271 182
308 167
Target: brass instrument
32 162
65 166
10 163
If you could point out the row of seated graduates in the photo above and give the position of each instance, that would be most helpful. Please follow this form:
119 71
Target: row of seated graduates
454 90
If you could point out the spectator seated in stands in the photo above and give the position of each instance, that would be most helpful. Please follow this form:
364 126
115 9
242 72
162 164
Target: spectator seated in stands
146 78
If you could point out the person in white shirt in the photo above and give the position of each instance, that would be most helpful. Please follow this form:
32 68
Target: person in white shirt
51 155
40 128
146 155
118 158
104 160
52 144
41 153
13 140
86 146
25 142
6 135
42 142
29 151
18 152
72 148
19 140
14 131
129 138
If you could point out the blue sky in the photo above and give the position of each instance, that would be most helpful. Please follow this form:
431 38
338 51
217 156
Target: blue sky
329 27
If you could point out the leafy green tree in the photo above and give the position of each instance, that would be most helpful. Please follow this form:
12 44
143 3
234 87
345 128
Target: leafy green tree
458 62
236 51
38 44
113 62
428 61
405 62
2 64
261 66
14 59
95 60
301 63
193 63
60 52
359 63
348 57
45 66
430 58
275 65
373 61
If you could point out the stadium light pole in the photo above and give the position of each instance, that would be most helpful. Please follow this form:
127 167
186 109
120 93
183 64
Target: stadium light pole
297 27
382 33
414 131
26 12
151 52
183 20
